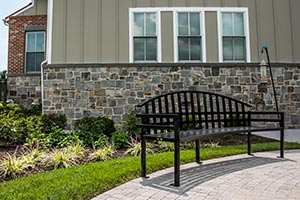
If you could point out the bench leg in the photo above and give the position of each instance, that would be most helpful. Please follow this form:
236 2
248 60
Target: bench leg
177 164
282 144
249 143
197 142
143 158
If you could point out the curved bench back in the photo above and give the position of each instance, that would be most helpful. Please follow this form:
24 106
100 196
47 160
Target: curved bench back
198 109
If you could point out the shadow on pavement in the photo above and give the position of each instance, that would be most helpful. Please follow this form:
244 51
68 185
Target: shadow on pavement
195 176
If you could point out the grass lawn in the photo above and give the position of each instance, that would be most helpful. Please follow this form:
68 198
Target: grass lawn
87 181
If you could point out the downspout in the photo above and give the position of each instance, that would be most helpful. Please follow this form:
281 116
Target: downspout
44 63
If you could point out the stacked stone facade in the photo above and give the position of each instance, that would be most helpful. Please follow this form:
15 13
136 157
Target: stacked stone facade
101 90
22 88
17 36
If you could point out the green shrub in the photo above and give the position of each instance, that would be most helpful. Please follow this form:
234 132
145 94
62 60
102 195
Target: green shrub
120 139
15 129
101 142
34 110
232 121
91 129
188 126
52 120
130 123
55 137
10 110
69 139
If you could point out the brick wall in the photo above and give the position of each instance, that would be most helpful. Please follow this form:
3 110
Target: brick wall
16 46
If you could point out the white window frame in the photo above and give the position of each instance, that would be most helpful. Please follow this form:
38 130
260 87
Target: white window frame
132 11
202 11
202 29
246 31
26 43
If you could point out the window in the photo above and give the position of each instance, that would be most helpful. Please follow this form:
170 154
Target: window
145 37
233 37
189 36
35 51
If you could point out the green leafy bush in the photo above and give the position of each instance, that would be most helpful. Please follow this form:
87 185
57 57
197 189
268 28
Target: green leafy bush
10 110
120 139
34 110
130 123
101 142
187 126
232 121
52 120
14 128
91 129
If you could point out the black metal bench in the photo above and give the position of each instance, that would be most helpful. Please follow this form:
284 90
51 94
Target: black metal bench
186 116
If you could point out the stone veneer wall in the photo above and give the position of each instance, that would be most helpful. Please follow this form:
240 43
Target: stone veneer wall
112 91
24 89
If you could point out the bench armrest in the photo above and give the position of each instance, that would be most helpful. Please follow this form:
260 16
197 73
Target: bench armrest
268 117
159 122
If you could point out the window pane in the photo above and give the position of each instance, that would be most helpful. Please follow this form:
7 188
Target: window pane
40 57
183 24
151 24
195 44
194 24
139 24
139 49
238 24
239 49
183 48
227 24
227 49
30 62
40 44
151 49
30 42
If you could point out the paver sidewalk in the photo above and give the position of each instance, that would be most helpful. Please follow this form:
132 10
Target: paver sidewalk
263 176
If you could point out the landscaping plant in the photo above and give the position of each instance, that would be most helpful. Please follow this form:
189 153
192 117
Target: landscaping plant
120 139
103 154
91 129
60 158
12 166
135 148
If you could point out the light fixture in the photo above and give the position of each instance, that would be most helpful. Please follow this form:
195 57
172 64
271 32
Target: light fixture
263 68
264 64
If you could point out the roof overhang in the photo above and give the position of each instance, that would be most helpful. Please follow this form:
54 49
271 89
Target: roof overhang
28 6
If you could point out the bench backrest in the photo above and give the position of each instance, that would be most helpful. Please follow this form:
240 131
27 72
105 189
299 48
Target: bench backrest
198 109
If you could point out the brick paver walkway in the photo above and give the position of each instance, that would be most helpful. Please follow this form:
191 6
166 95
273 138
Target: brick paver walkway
263 176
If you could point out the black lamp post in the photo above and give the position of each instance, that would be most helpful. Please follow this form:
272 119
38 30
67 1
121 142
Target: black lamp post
263 63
